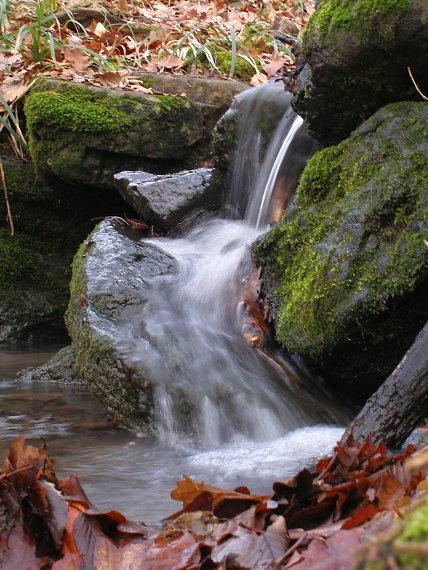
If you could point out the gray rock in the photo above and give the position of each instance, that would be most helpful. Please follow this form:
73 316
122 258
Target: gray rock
60 368
112 273
165 201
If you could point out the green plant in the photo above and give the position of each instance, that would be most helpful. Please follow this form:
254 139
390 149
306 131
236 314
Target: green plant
9 121
43 42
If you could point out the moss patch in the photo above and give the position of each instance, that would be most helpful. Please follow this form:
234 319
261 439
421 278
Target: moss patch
74 109
72 128
223 61
373 20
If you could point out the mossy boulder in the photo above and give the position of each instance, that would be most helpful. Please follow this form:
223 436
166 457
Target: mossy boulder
347 266
358 54
85 134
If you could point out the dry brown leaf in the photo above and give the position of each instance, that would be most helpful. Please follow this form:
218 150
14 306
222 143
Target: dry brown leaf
14 87
97 28
110 79
258 79
172 62
76 58
269 546
275 66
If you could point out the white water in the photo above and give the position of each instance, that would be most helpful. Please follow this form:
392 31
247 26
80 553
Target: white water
243 421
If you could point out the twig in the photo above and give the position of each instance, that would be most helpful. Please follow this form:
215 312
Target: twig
328 467
6 197
292 549
407 546
416 85
4 476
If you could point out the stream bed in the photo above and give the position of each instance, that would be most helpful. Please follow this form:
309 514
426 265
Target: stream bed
120 470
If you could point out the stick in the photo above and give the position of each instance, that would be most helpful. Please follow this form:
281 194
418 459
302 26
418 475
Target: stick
416 85
6 197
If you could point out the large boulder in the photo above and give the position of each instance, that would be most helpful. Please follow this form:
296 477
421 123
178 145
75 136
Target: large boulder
358 55
86 134
347 266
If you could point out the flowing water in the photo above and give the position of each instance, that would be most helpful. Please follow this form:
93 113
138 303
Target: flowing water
253 420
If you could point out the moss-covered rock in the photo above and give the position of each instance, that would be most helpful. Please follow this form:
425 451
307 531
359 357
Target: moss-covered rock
347 265
358 54
86 134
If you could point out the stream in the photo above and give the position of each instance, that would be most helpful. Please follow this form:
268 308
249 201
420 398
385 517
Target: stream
253 425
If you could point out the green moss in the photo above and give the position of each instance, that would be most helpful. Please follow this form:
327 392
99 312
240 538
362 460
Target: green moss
147 82
17 260
170 104
73 109
374 20
415 530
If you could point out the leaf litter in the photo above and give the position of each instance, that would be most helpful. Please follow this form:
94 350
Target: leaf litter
321 520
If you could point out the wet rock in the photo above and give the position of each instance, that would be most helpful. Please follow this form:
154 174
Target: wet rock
112 270
60 368
165 201
347 266
358 55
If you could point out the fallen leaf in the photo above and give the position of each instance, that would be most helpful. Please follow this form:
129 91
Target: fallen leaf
20 552
110 79
258 79
76 58
275 66
269 546
172 62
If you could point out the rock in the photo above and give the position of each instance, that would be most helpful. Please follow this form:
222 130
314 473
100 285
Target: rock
347 266
111 272
60 368
85 134
358 55
165 201
216 92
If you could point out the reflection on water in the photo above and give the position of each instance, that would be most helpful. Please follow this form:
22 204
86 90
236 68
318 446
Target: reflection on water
120 470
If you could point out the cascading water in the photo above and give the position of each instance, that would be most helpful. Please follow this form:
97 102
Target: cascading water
208 382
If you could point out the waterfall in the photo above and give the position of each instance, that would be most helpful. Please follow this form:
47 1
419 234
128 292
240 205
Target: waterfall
210 386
